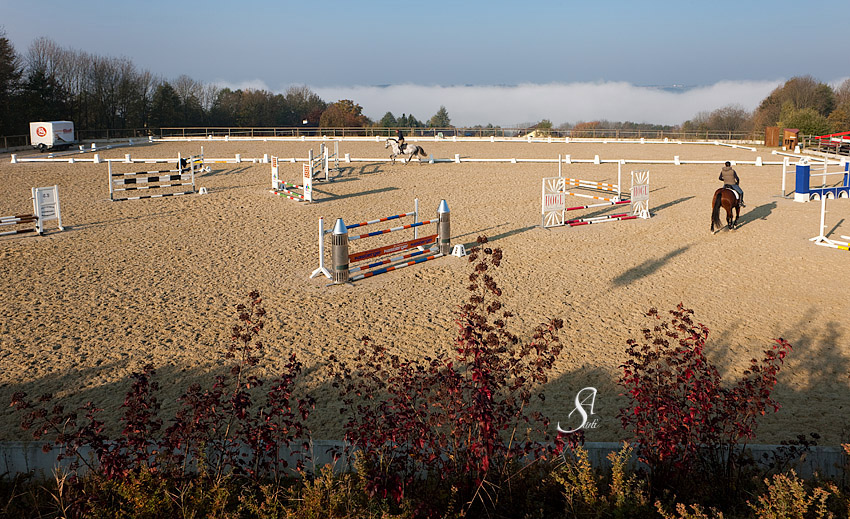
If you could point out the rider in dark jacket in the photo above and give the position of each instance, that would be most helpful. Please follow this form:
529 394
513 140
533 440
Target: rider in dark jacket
730 180
400 139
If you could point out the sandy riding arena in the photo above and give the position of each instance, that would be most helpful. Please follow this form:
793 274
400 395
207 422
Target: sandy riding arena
156 281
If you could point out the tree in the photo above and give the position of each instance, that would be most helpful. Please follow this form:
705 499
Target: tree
190 92
768 111
839 119
388 121
165 106
256 108
440 119
544 128
345 114
303 105
10 77
699 123
731 118
225 108
408 121
585 129
842 93
807 120
43 98
800 92
824 101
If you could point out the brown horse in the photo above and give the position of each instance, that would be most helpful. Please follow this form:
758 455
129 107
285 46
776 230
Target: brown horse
726 199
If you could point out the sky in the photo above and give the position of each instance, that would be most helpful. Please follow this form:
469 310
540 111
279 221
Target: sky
490 61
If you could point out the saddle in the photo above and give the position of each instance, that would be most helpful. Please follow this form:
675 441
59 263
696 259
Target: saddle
737 196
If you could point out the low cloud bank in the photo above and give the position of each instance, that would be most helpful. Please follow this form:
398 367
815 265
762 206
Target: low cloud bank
558 102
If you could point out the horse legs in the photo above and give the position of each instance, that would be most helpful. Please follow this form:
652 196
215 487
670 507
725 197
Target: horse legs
733 223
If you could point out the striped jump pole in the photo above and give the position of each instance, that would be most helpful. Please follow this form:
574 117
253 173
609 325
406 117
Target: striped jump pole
392 229
602 219
285 189
378 220
605 204
14 220
342 259
585 185
45 207
391 260
322 232
589 196
19 220
397 266
181 177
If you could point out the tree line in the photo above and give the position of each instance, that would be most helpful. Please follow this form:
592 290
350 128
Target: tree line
49 82
802 102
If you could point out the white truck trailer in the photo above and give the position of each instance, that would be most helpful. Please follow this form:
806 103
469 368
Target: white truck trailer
52 135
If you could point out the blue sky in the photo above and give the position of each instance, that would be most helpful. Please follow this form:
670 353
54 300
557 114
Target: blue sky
333 46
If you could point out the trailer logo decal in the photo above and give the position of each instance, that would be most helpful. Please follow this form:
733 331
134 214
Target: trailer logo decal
41 131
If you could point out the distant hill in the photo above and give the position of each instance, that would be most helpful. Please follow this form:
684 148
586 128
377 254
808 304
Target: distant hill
675 89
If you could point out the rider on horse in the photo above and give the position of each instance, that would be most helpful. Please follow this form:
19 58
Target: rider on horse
730 181
400 140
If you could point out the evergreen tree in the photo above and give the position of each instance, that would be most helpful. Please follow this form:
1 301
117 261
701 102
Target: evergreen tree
440 119
42 99
10 77
388 121
165 107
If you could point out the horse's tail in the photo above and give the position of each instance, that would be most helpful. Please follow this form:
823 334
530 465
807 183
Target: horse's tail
420 150
715 210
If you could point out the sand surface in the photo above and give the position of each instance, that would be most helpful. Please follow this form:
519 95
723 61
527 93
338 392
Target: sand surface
156 281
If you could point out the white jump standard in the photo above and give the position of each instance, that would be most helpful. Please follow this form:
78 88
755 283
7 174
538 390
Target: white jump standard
45 207
554 205
821 239
310 171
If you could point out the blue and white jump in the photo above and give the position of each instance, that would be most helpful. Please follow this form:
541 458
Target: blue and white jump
803 192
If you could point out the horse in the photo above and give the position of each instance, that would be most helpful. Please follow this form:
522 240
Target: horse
725 198
411 150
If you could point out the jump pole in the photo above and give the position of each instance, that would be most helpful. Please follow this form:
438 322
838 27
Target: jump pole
45 207
341 257
620 163
322 232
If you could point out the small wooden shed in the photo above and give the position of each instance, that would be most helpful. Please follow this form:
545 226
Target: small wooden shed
771 136
789 138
